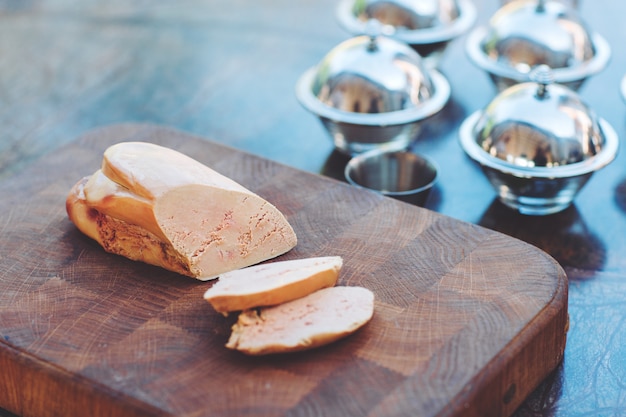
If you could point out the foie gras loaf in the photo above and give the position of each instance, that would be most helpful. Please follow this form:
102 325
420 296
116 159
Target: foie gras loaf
156 205
272 283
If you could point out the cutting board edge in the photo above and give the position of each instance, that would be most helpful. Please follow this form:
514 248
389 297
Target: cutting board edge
511 379
31 376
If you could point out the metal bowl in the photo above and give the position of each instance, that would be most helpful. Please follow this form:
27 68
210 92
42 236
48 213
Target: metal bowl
372 91
428 26
524 34
538 144
402 175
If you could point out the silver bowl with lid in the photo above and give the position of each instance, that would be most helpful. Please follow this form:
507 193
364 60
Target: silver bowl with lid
428 26
524 34
372 91
538 144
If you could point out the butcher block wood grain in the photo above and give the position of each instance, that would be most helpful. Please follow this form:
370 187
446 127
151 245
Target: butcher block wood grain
467 321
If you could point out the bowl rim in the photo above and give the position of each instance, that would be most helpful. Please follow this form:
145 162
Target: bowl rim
389 151
561 75
467 17
474 151
427 108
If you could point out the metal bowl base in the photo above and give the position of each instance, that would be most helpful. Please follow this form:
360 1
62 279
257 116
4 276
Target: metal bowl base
534 206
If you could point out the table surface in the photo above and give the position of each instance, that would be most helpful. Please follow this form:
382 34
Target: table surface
227 71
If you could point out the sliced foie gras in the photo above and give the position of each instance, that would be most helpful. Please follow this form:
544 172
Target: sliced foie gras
319 318
153 204
272 283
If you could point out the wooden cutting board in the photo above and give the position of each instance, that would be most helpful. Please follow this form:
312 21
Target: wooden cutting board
467 321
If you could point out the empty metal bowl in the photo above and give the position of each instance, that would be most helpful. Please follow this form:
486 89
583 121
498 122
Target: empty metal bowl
538 144
401 175
522 35
372 91
428 26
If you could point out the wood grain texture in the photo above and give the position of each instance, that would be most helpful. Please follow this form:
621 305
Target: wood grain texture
468 321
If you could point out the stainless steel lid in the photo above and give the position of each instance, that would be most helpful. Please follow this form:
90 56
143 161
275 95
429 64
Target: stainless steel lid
372 75
539 125
524 34
413 22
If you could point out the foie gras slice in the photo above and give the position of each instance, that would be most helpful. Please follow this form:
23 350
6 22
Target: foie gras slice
272 283
318 319
152 204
